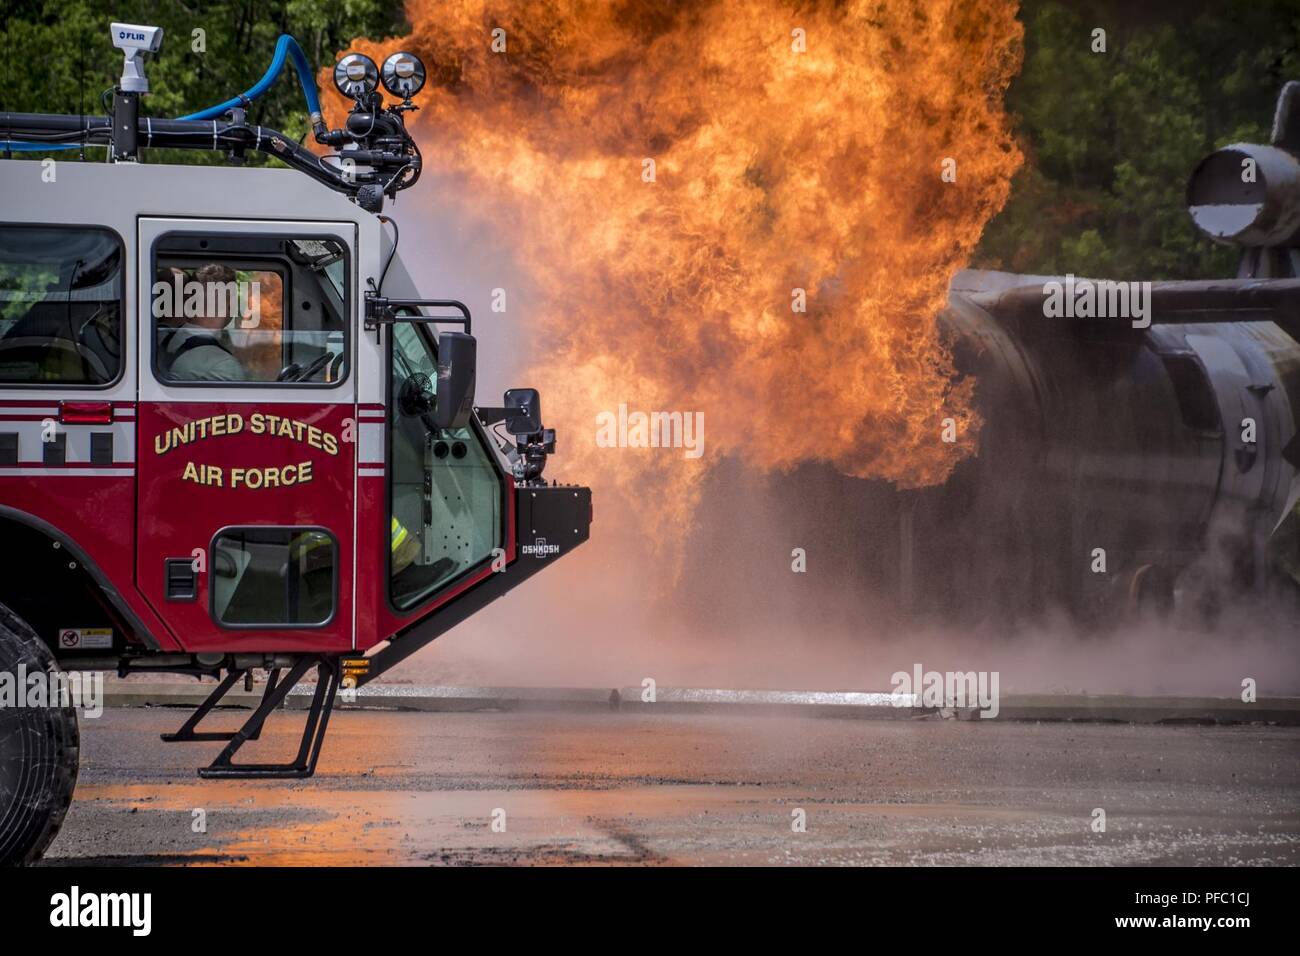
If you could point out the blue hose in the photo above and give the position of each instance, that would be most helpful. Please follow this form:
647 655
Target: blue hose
285 45
22 146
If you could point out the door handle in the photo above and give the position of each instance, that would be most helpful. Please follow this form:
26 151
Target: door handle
181 581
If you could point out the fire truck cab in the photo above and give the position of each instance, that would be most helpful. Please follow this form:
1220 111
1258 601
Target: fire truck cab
234 436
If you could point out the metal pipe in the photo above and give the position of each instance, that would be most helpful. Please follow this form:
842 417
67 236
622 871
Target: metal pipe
204 134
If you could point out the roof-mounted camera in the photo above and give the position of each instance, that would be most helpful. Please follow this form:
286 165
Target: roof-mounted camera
133 40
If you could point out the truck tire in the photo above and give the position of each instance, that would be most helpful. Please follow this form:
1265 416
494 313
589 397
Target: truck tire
39 751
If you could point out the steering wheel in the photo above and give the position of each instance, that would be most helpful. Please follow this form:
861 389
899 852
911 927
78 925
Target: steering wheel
84 353
297 373
102 327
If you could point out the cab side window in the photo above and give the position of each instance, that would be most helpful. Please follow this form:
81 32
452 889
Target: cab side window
60 306
230 310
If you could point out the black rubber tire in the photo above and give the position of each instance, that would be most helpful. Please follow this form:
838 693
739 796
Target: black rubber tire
39 753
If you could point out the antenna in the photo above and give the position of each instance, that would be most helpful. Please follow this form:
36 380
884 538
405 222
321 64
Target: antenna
81 95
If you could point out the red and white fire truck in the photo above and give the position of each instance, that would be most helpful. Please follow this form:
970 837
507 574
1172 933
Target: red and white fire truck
233 434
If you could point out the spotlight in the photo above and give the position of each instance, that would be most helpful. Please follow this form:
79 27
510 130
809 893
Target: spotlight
356 75
403 75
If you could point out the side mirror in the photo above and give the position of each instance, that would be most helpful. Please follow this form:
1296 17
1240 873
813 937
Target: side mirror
457 370
523 411
523 417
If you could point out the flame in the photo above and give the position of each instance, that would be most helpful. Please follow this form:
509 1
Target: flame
263 356
795 146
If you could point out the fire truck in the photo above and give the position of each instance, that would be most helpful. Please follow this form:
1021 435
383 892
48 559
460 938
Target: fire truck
234 435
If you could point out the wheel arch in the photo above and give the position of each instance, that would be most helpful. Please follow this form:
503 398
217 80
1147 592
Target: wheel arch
93 580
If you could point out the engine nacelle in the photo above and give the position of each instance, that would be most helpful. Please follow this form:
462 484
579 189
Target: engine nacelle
1247 195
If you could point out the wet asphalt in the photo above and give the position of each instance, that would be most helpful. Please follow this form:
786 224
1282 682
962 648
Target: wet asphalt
677 789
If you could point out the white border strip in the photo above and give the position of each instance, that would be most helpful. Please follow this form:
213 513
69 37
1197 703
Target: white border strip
11 411
11 472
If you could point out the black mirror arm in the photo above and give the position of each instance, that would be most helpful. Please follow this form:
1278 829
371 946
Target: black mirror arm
489 416
381 310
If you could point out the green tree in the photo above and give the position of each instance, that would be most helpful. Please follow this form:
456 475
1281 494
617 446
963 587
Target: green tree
58 57
1110 138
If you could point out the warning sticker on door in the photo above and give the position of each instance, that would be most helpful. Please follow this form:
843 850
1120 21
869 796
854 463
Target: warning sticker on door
86 638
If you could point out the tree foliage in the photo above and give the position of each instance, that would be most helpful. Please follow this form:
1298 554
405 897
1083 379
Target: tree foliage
58 57
1111 138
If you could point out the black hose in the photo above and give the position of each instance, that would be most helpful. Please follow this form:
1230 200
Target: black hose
391 253
206 134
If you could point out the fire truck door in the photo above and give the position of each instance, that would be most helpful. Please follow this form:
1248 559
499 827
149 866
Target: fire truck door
246 463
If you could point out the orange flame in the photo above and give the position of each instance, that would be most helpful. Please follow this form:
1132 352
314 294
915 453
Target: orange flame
795 146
